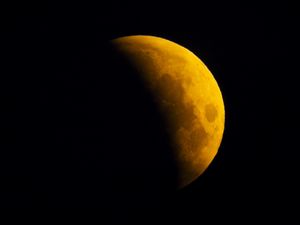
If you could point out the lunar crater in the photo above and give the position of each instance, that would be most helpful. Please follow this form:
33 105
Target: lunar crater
211 112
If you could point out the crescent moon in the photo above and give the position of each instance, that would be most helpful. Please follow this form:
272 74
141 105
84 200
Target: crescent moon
188 97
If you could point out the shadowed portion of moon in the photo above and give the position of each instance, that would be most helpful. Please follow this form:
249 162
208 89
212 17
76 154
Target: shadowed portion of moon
183 121
173 102
98 135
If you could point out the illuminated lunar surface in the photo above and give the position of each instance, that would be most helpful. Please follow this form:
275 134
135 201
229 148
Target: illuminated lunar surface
187 95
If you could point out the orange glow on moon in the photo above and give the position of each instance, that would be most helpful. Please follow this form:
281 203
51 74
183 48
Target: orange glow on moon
188 96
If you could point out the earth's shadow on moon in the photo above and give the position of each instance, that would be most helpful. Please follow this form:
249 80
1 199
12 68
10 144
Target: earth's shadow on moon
104 142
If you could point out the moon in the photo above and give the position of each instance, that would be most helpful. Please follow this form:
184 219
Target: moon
187 95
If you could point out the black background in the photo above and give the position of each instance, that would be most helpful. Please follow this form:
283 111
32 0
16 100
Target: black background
56 79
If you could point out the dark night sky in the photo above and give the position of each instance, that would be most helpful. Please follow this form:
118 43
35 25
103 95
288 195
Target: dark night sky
53 55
